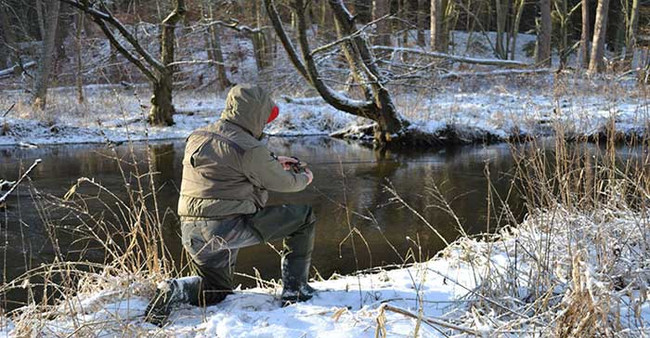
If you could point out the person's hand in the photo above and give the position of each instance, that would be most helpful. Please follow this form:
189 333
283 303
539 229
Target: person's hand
309 174
286 162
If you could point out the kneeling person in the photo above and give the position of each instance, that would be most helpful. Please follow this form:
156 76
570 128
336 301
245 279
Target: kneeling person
226 174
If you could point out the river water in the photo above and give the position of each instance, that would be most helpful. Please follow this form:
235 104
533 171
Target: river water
346 174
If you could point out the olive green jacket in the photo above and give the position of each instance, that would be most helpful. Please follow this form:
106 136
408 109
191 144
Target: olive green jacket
226 169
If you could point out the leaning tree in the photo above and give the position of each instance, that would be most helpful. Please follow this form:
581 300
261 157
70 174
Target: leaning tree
377 104
158 71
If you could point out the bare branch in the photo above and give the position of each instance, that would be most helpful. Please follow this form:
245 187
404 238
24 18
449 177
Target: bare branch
15 185
347 37
338 101
137 62
107 17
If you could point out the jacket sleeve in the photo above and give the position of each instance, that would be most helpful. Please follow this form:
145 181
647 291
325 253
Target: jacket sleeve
265 171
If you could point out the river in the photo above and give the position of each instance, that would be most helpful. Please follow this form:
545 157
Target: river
346 174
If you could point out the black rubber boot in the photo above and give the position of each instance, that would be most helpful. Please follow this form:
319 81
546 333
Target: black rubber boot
294 281
169 294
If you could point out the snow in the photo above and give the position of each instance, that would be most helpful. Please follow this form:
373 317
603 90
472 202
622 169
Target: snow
471 286
116 114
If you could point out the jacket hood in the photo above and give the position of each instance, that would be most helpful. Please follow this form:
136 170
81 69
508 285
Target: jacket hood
249 107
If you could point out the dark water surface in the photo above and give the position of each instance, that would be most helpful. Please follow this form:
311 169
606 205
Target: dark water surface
345 174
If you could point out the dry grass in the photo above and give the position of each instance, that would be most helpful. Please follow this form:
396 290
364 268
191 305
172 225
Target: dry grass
126 231
577 265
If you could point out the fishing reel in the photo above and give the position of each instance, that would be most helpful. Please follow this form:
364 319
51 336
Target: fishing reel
299 166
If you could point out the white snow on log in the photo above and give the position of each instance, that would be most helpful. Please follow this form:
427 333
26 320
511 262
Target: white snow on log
457 58
9 71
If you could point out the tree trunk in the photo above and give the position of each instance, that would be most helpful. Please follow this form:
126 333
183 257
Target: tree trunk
62 31
515 27
388 120
218 58
162 108
9 37
79 69
630 41
381 8
362 10
215 53
354 64
564 32
41 16
584 36
47 55
435 26
544 37
422 21
596 64
502 16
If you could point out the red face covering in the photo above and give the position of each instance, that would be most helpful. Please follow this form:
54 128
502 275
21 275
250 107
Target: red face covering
275 111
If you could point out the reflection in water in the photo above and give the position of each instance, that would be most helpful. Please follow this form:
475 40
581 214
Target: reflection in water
346 174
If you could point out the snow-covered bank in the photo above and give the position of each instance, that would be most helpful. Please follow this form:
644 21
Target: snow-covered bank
496 113
557 273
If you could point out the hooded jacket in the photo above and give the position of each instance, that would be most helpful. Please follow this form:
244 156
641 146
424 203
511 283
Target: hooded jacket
226 169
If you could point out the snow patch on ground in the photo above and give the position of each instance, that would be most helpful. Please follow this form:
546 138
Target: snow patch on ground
473 286
116 115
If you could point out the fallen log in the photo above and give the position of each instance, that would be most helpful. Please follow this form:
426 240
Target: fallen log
11 70
457 58
500 72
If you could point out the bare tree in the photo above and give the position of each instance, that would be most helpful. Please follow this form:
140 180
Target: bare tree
502 16
9 37
79 23
563 15
213 42
632 27
422 21
516 21
47 54
584 37
381 8
158 72
378 106
544 35
436 26
596 64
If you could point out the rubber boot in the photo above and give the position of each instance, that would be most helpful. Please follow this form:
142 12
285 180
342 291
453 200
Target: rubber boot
169 294
294 281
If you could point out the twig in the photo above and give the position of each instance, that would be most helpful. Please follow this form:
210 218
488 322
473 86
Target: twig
432 321
4 197
8 110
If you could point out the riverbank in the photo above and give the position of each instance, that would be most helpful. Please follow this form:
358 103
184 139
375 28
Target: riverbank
471 110
558 272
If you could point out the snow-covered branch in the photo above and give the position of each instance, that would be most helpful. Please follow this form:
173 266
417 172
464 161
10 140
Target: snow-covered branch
496 73
457 58
195 62
235 25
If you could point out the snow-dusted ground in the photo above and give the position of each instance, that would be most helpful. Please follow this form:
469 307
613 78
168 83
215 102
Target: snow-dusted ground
501 111
591 281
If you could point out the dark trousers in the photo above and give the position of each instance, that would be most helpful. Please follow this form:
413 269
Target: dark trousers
214 245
